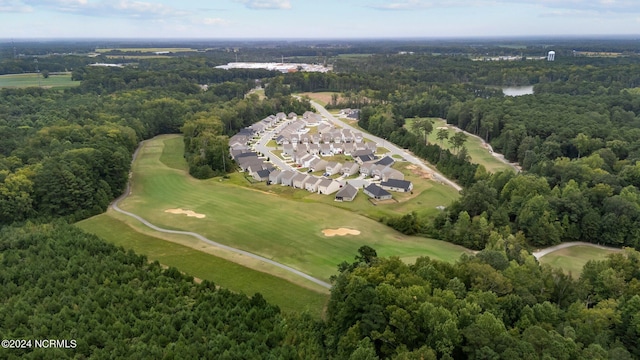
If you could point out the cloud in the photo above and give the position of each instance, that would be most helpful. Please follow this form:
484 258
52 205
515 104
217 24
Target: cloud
267 4
14 6
575 6
214 21
117 8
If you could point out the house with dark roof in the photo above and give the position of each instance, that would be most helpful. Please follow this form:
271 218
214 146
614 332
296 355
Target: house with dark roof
261 175
360 159
385 161
397 185
347 193
376 192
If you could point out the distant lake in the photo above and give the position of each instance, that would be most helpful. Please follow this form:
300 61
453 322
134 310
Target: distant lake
517 90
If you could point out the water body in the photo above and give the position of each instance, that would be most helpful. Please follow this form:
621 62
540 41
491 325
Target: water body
517 90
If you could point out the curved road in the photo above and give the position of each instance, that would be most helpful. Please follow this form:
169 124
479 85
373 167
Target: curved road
126 193
542 252
393 149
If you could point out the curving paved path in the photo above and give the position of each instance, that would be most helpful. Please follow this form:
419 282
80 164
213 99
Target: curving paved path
127 192
542 252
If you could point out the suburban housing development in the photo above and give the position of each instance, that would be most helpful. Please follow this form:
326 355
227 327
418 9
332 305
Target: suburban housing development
305 145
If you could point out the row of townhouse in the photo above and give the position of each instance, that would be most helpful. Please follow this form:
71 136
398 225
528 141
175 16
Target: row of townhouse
297 133
329 149
308 182
270 121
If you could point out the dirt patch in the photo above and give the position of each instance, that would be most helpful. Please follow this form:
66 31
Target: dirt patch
322 97
189 213
340 232
418 172
442 128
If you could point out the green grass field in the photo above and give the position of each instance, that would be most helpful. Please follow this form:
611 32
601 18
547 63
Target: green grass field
202 265
281 228
572 259
34 79
478 153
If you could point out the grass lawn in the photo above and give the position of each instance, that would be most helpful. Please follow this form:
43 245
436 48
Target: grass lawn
277 227
202 265
62 80
478 153
572 259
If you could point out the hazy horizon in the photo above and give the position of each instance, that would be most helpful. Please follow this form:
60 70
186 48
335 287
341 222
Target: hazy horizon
304 20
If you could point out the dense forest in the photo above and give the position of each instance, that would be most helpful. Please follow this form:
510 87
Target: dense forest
61 283
65 155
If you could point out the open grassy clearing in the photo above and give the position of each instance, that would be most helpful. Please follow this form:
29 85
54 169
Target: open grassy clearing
203 265
572 259
62 80
322 98
275 227
477 151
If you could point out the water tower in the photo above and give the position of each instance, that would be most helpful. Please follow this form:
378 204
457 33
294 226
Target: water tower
551 56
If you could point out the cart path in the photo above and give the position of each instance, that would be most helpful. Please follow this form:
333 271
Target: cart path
127 192
542 252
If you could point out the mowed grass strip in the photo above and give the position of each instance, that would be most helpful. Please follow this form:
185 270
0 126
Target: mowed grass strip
477 151
227 274
282 229
572 259
35 80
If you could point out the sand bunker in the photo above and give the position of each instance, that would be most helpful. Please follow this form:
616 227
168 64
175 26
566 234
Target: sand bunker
442 127
189 213
340 232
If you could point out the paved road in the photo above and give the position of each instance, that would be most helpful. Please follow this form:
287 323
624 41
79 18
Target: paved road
393 149
127 191
542 252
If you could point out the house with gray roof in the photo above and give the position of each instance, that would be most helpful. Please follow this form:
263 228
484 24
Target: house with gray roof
311 185
333 167
299 180
347 193
366 168
286 179
391 173
328 186
274 176
318 164
376 192
349 168
397 185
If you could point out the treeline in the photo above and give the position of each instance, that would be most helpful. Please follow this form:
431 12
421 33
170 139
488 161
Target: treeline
498 304
67 153
579 149
60 283
206 133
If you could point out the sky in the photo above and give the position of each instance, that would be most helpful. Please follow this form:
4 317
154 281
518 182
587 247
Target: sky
311 19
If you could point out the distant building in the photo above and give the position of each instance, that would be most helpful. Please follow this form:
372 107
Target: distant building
551 56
